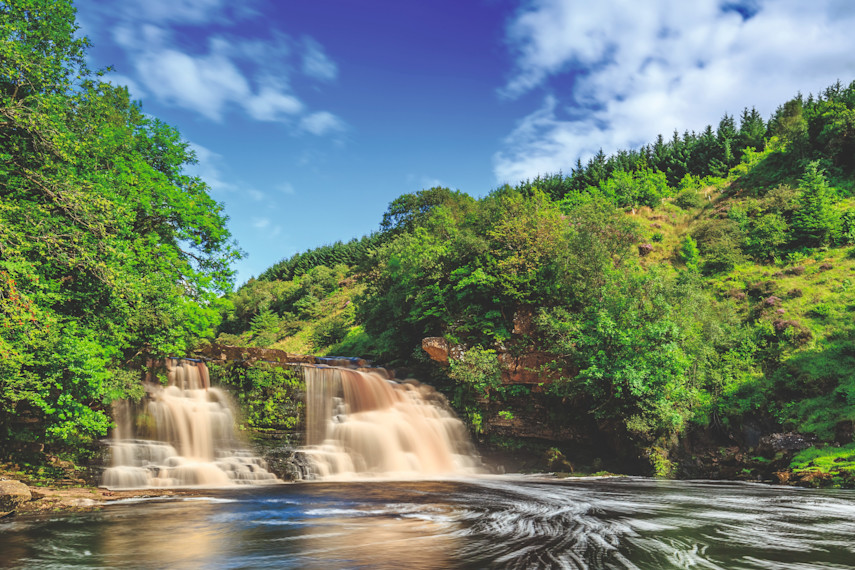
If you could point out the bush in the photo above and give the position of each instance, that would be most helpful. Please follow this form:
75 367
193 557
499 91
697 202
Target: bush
330 331
689 198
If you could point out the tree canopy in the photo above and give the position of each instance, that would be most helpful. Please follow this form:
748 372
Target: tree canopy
108 250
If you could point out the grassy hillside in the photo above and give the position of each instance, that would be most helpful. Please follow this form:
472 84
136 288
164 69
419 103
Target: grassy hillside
701 284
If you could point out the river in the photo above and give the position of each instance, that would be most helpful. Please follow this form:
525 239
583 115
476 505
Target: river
488 522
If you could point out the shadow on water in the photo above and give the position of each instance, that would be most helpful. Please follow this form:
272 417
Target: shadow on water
505 522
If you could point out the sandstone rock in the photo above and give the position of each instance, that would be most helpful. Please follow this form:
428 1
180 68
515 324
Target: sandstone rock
12 495
437 348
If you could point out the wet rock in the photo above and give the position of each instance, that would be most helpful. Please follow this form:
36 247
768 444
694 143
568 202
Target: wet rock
790 442
13 494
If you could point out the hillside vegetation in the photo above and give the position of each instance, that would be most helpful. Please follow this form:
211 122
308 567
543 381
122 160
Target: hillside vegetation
109 252
702 283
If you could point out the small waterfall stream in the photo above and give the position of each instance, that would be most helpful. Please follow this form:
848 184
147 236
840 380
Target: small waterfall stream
184 436
361 424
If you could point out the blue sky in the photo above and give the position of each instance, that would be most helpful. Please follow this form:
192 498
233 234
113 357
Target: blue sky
309 117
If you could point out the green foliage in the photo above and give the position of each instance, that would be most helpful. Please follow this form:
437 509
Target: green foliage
815 219
719 242
643 350
478 368
689 253
646 348
270 397
663 468
352 253
833 466
689 198
766 236
107 249
644 187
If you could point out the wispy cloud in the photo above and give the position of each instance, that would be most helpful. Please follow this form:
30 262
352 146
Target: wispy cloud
638 69
423 182
286 188
316 63
322 123
221 73
260 223
207 168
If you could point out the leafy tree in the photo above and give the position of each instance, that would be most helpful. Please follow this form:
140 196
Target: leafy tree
106 246
408 210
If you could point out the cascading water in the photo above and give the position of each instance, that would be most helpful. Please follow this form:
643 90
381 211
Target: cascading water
360 424
184 436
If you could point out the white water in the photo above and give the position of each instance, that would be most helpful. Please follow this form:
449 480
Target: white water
360 424
184 436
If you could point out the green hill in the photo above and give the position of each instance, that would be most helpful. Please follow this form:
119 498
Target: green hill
696 288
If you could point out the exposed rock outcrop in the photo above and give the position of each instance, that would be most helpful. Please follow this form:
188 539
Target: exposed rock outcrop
437 348
13 494
253 354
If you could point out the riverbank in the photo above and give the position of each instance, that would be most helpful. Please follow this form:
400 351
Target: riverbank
52 499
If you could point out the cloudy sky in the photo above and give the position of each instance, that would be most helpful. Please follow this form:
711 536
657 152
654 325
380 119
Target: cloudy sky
309 117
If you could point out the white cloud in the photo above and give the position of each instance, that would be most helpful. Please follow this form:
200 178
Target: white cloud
316 63
639 69
322 123
260 223
422 182
135 91
205 84
256 195
227 73
207 168
286 188
183 11
271 103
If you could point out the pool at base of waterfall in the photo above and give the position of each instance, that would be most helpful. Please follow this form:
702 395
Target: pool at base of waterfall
492 521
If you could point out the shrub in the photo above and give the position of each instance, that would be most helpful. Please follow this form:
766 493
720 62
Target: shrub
689 198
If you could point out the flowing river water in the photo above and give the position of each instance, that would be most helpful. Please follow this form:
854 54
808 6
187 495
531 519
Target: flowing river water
478 522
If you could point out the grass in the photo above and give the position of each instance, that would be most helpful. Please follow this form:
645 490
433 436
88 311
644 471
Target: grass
823 466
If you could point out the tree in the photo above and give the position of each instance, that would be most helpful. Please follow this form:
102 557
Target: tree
107 249
815 218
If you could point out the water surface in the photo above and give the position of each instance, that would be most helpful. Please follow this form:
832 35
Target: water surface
498 522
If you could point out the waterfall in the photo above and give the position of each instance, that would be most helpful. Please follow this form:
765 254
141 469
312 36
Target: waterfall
361 424
183 436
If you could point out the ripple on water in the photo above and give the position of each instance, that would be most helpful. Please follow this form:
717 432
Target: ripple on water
492 522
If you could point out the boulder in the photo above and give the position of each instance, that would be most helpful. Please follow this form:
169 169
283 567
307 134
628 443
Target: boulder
12 495
437 348
789 443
